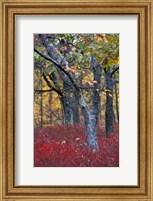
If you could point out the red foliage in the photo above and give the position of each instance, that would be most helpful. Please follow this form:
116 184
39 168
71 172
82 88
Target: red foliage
65 146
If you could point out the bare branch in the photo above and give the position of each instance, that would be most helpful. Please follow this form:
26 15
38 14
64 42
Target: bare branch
114 70
59 66
52 87
91 88
42 91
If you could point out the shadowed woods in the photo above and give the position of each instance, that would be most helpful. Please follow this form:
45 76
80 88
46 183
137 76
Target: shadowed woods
76 99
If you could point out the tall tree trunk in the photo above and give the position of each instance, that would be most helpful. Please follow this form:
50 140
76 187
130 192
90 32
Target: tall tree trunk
68 113
109 104
109 114
117 108
41 105
93 119
114 116
50 111
96 95
90 123
91 133
75 109
71 110
70 106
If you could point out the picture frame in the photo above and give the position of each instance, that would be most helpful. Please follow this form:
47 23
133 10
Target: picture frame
12 8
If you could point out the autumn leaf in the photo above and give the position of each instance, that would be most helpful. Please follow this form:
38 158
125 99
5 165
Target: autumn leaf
99 39
56 49
72 70
73 48
90 83
74 67
63 142
64 48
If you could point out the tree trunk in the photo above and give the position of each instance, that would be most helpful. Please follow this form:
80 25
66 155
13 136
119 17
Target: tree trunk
41 106
109 104
116 96
96 95
91 133
76 116
70 106
109 115
68 113
90 123
114 116
50 111
93 117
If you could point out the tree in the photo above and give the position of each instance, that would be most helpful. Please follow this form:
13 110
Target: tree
110 81
68 101
73 59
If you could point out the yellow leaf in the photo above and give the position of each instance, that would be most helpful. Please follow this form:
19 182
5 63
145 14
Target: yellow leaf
99 39
73 48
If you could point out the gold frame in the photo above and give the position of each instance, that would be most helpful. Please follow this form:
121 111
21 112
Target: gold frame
9 9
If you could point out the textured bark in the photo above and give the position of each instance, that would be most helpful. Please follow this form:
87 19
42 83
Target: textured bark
114 116
109 103
76 116
89 123
109 115
50 115
96 95
66 102
91 133
71 111
117 108
41 107
95 98
68 114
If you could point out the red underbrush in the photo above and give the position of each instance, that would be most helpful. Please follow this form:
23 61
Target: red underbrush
66 146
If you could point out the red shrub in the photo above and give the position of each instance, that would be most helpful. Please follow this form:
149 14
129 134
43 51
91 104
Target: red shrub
65 146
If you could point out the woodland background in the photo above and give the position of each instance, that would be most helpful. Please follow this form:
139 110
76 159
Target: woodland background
76 99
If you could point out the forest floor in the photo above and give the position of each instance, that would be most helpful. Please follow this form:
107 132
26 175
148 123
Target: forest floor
66 146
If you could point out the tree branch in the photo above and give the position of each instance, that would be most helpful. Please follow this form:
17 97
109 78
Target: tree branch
114 70
53 88
59 66
42 91
91 87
